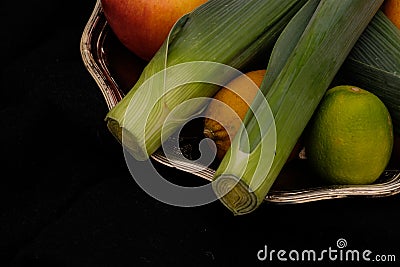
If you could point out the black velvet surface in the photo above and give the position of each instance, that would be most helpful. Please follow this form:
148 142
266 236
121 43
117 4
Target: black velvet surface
67 197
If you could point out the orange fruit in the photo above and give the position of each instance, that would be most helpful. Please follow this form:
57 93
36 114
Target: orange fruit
391 8
350 137
222 123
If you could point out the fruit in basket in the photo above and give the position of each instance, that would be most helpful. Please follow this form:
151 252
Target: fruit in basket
350 137
227 121
391 8
143 25
221 123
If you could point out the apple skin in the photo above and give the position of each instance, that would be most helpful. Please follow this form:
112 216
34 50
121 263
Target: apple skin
143 25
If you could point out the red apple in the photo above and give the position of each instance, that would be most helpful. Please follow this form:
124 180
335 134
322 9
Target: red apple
143 25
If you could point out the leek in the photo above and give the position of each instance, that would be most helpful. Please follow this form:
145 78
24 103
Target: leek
305 72
374 64
231 32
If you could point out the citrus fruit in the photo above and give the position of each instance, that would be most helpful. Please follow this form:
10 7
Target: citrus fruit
350 137
391 8
222 121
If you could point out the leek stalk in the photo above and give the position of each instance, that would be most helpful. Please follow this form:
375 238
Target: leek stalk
305 71
374 64
231 32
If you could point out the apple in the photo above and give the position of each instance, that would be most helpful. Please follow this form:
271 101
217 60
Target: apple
143 25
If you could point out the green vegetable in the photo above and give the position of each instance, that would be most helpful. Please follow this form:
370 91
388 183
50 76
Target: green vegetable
231 32
298 75
374 64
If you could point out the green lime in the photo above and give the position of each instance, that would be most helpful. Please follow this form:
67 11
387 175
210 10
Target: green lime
350 137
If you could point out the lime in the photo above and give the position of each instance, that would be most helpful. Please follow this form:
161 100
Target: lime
350 137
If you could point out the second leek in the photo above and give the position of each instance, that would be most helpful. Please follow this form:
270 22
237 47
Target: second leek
301 73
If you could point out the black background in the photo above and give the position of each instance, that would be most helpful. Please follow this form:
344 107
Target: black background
67 198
